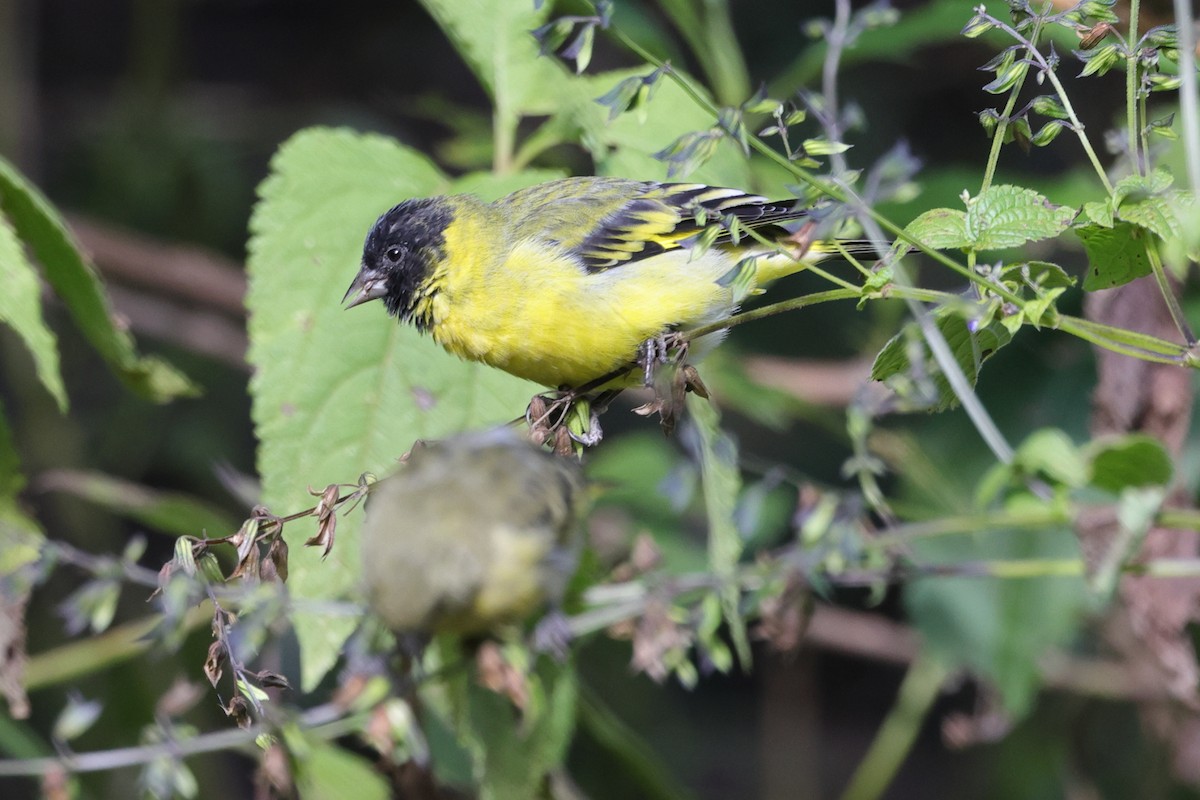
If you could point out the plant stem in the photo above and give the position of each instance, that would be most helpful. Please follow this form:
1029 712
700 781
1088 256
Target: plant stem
1131 83
1168 292
895 739
770 311
326 722
1189 108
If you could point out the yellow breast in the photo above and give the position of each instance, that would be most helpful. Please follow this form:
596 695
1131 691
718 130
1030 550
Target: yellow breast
538 314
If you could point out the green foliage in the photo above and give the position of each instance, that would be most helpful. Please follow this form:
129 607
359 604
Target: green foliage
999 217
339 394
908 366
73 279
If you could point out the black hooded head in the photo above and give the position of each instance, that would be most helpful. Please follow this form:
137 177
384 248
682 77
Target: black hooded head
400 253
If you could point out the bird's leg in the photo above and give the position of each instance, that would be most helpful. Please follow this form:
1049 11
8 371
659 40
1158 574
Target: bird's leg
552 635
656 350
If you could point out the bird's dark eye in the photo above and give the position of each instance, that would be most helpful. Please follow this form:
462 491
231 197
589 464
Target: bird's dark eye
394 254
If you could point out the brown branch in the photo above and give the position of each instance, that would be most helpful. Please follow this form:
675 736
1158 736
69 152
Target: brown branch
826 383
204 332
186 272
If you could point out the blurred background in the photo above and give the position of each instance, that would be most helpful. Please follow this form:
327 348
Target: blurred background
151 122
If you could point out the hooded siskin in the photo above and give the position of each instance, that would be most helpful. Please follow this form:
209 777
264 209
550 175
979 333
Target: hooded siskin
562 282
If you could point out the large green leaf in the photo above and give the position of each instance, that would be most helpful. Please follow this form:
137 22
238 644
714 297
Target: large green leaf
21 309
337 393
999 627
493 37
74 280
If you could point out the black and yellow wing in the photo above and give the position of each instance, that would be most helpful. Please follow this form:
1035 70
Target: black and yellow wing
610 222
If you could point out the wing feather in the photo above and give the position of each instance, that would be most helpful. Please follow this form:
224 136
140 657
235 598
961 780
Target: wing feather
667 216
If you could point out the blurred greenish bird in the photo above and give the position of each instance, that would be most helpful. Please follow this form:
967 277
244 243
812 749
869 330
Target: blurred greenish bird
471 533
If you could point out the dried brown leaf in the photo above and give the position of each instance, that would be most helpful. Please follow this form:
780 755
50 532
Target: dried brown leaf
498 675
214 664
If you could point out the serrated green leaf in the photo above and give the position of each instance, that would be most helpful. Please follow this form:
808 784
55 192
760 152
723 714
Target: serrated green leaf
74 280
1116 255
1130 461
1146 201
721 479
970 345
1008 216
1099 212
21 310
940 229
337 393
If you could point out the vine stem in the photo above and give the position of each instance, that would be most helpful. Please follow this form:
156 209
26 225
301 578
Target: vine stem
326 721
1131 72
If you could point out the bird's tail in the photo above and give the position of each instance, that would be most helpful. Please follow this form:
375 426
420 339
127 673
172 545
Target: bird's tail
800 249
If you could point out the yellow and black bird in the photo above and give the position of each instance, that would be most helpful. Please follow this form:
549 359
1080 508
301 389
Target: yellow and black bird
565 282
472 532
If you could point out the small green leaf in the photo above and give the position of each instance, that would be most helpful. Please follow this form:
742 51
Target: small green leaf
1116 255
1146 201
689 152
742 279
921 381
76 717
1130 461
1050 454
940 229
1049 132
1099 212
1041 274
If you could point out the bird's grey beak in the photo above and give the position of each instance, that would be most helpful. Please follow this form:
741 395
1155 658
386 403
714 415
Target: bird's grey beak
367 286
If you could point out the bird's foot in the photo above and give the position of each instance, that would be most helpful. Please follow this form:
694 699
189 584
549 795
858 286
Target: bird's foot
552 635
656 351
